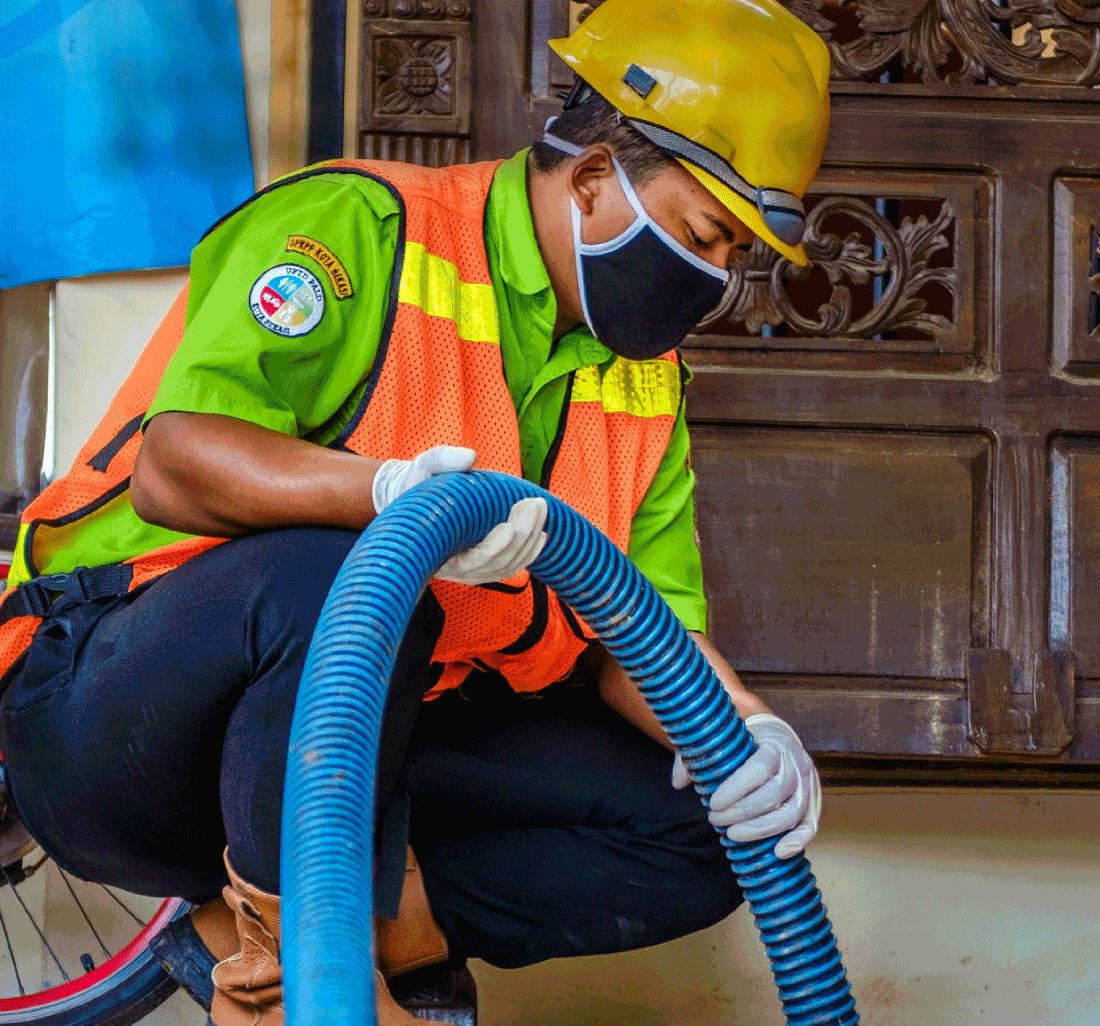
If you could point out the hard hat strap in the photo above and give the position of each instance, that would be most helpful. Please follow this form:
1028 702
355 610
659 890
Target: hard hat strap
559 144
782 211
578 93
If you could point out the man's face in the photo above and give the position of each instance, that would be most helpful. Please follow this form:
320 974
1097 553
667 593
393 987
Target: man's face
679 203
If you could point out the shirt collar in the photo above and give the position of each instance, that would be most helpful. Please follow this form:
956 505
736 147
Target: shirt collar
511 230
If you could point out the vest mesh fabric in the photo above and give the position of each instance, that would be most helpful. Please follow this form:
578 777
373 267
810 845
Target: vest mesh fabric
432 386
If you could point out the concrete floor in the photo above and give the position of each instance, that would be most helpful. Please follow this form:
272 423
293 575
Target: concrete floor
951 908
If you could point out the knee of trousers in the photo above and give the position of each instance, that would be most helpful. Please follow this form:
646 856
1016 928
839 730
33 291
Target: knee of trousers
292 573
704 890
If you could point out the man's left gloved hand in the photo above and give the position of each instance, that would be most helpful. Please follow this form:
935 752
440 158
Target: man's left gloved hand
505 550
776 791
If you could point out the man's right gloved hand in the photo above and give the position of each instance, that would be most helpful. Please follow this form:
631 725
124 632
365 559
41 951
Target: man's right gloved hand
396 477
503 552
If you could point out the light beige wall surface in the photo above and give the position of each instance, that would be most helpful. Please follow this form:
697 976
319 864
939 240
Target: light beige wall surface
951 909
102 323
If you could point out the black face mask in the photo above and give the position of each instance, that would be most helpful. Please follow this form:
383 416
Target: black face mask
643 291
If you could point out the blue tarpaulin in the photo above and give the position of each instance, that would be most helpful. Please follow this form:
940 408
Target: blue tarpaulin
123 133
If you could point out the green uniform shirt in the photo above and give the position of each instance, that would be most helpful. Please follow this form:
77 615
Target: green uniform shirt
309 384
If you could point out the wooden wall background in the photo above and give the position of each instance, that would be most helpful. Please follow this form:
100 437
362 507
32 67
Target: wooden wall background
898 450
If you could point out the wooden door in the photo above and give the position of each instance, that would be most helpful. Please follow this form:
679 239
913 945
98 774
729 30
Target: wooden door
898 451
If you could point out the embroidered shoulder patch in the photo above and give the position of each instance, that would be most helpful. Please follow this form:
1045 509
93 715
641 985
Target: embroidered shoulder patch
288 300
328 261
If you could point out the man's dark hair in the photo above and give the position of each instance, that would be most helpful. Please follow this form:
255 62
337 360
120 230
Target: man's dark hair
594 120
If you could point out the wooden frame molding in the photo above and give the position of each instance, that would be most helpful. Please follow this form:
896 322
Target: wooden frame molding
24 389
289 104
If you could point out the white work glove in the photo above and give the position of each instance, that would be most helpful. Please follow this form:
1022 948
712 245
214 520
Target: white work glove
503 552
396 477
506 550
776 791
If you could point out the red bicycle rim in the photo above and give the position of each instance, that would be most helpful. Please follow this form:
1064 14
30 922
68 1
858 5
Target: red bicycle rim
132 950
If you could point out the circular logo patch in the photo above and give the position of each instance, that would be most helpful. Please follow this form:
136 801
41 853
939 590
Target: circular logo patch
288 300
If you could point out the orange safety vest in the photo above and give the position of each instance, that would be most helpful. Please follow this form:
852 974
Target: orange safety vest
437 378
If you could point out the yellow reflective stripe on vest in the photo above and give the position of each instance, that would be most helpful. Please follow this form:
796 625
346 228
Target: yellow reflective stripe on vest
20 573
432 284
642 388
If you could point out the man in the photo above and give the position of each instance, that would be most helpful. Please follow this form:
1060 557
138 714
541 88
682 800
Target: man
349 332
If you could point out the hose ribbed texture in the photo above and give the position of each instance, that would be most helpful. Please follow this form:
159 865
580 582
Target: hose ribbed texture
327 837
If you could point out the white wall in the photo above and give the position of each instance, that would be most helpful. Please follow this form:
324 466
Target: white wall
102 324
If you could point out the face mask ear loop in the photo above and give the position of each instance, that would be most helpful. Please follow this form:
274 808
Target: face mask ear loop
631 195
578 245
555 143
674 244
575 151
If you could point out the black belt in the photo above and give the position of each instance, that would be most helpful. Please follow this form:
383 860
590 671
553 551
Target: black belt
54 592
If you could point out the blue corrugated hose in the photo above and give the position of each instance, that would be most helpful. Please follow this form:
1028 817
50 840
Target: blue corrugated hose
327 809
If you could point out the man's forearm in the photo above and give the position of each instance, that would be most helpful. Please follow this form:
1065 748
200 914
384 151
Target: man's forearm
619 692
207 474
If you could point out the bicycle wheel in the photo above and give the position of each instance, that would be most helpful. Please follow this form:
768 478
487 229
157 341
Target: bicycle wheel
73 953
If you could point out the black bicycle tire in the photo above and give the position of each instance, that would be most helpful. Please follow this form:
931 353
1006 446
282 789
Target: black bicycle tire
121 999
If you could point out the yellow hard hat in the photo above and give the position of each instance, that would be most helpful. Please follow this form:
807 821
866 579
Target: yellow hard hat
736 90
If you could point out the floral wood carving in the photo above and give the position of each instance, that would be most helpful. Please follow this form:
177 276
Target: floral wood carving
427 10
1035 42
412 75
758 292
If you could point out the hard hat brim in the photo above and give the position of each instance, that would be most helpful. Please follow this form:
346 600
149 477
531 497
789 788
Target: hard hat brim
575 51
745 212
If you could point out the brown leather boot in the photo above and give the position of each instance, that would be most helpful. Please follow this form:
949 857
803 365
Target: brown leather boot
414 939
216 926
248 985
387 1011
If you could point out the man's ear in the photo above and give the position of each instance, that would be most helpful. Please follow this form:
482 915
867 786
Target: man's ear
588 174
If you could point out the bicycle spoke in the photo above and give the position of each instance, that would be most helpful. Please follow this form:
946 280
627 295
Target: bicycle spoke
34 923
84 912
7 939
123 905
29 872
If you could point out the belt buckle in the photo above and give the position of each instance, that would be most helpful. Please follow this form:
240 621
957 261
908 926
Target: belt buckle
73 590
54 593
42 593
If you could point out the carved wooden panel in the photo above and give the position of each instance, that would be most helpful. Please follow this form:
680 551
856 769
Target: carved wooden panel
893 45
844 552
415 81
1075 577
953 43
1076 298
1075 552
899 265
853 566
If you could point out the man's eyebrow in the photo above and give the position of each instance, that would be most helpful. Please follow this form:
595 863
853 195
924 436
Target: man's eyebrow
721 225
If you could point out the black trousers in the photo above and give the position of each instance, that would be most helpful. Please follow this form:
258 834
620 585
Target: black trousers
144 733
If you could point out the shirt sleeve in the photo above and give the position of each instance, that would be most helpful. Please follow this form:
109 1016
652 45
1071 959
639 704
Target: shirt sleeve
287 305
663 543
